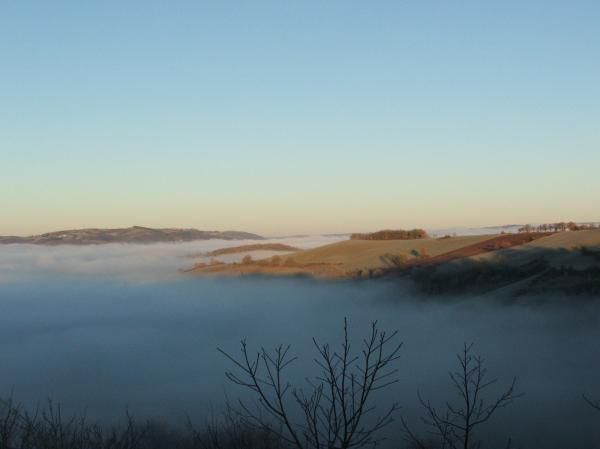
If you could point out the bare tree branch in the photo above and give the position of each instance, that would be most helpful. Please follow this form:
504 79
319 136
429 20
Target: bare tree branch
336 409
455 426
594 404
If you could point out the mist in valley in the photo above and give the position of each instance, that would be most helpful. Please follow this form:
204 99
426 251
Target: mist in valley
107 328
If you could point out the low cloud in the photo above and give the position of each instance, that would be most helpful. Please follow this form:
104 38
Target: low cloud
135 262
82 325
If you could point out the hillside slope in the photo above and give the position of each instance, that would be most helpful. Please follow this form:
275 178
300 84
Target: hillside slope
566 263
561 249
372 254
349 258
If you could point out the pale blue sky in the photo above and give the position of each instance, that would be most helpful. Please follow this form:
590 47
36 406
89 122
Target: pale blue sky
285 117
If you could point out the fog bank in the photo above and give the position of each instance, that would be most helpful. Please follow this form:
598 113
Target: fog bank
134 262
99 343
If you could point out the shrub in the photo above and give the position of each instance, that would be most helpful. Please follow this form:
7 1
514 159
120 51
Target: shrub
397 260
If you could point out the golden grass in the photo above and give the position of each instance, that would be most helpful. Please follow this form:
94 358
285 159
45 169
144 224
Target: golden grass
323 271
353 255
559 249
567 240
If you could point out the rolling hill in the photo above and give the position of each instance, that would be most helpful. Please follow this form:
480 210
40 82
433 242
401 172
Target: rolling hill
134 234
564 262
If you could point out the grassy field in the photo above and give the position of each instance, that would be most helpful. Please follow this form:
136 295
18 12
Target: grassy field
345 259
372 254
372 258
567 240
561 249
565 263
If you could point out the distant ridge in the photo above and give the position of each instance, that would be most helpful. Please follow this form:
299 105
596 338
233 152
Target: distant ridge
134 234
503 226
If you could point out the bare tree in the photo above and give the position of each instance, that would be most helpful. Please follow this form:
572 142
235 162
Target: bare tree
49 429
594 404
336 410
455 425
230 431
9 422
131 436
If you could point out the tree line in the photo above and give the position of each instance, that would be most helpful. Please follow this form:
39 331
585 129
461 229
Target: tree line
558 227
389 234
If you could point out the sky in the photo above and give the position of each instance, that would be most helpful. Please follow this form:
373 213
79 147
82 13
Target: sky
297 117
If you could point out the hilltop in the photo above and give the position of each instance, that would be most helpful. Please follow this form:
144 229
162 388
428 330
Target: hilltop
134 234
